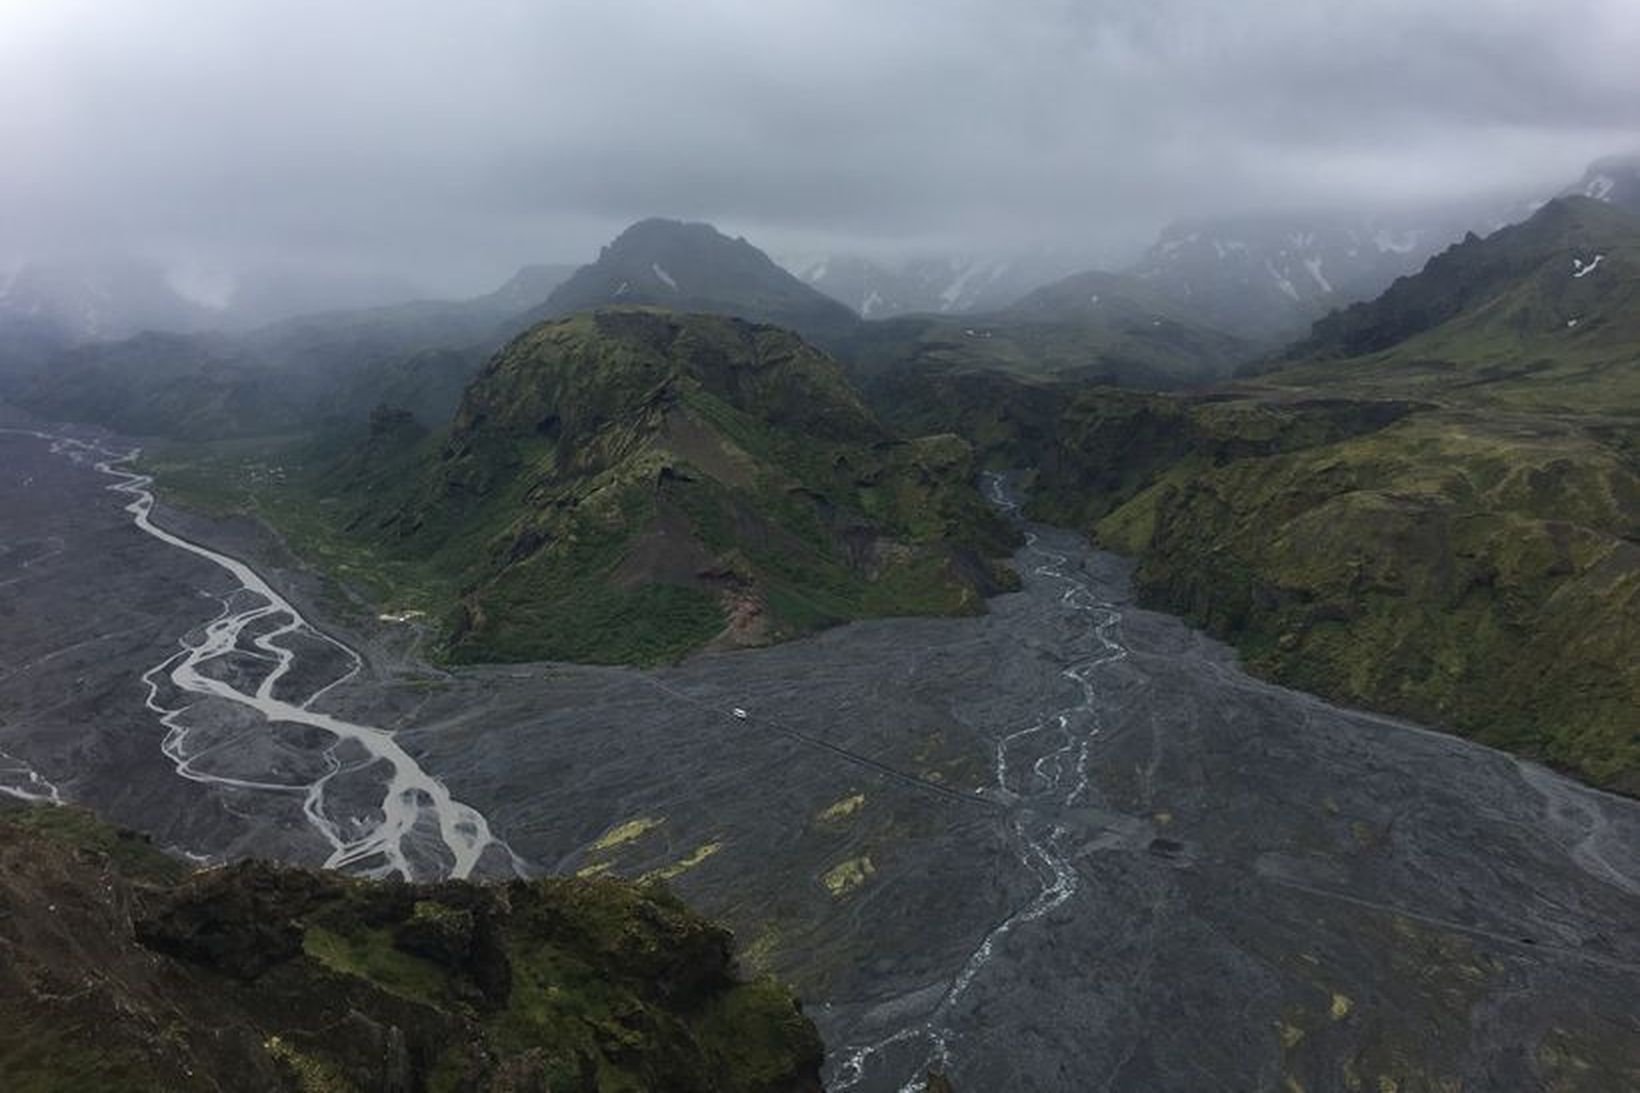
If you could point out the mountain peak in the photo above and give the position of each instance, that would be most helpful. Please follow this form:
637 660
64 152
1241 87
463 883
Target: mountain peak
662 230
691 266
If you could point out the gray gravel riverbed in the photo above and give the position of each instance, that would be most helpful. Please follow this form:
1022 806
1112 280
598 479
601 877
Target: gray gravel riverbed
1066 845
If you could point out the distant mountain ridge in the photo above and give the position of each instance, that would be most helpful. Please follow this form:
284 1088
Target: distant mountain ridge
1566 280
936 285
1267 278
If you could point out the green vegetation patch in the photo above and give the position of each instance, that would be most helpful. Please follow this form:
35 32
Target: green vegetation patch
134 855
371 954
630 831
1477 573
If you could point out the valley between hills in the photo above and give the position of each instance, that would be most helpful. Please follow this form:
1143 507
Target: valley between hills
1023 689
1064 823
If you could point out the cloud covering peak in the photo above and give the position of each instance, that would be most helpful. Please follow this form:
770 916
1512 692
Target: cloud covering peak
449 143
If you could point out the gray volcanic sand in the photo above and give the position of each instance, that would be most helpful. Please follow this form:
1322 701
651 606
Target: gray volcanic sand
79 627
1251 888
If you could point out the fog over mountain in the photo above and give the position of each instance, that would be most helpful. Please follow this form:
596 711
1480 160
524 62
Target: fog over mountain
440 147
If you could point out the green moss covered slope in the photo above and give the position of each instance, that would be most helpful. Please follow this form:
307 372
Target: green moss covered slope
116 973
1432 507
1434 510
628 485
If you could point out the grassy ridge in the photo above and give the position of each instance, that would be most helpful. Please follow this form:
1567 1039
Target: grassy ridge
626 486
1446 527
1475 573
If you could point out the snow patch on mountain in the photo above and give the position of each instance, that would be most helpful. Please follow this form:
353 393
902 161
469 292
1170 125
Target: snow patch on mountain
1579 269
957 288
1600 187
1314 266
1282 283
930 284
664 276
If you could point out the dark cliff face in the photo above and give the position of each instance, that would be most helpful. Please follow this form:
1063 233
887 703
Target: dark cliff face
121 973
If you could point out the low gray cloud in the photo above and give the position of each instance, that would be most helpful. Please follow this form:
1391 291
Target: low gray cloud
448 143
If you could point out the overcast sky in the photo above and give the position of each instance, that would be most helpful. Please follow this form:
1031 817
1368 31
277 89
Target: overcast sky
449 141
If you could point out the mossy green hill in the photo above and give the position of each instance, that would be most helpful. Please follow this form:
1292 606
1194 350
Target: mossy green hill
1432 508
1435 513
630 484
120 971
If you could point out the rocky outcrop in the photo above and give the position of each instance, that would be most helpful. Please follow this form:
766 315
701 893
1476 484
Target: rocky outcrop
119 972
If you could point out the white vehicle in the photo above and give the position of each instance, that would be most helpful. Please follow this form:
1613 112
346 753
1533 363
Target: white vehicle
740 713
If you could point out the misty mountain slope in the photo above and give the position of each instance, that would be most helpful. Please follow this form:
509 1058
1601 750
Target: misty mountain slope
695 268
292 375
1091 328
187 386
1120 310
628 485
942 286
1555 296
1268 278
1445 528
295 376
98 301
526 289
46 308
1208 298
1615 180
